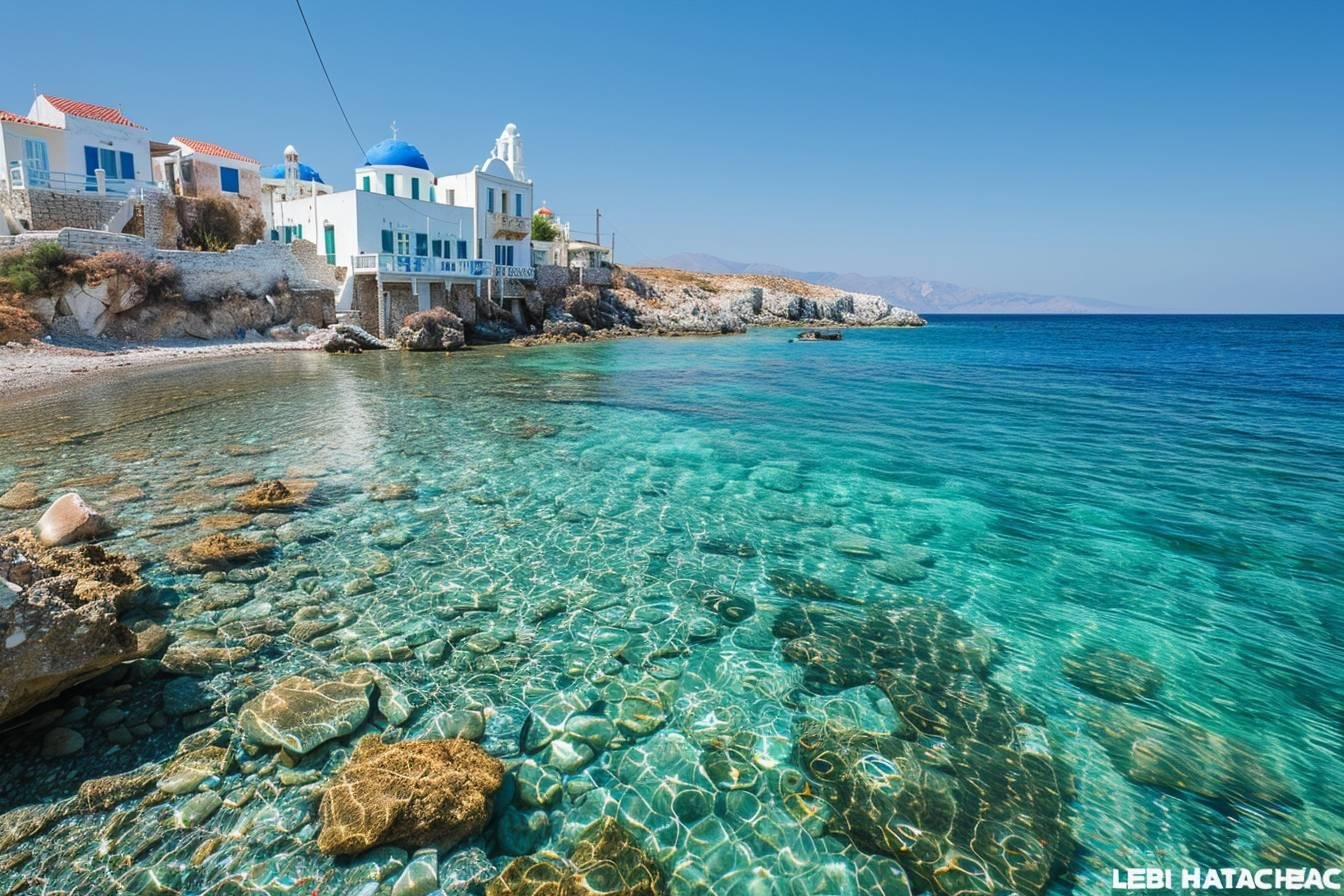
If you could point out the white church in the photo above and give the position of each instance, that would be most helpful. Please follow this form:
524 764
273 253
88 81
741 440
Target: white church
409 239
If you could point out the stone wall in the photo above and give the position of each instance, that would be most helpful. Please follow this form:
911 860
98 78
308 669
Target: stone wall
365 303
464 297
315 264
51 210
401 301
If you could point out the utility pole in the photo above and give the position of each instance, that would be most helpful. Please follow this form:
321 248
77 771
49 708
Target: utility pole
613 247
597 226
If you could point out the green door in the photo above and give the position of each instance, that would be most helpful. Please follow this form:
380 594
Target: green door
329 238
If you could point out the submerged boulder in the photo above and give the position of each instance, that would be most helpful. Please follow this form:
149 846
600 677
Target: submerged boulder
607 860
273 495
412 792
434 330
21 496
1112 674
967 794
298 713
217 551
1179 755
70 519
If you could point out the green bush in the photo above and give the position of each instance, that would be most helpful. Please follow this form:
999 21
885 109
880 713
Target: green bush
544 229
38 269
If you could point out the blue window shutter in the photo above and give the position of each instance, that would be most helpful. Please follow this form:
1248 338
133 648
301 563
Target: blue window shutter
90 160
275 235
415 188
461 248
228 180
387 241
127 166
431 193
422 244
518 204
390 184
367 186
436 248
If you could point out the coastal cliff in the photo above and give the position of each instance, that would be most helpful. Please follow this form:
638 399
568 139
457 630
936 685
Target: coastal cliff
663 301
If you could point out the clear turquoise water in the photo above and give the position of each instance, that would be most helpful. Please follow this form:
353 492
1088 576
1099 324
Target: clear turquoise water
1169 487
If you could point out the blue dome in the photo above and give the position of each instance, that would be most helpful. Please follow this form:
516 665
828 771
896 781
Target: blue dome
396 152
277 172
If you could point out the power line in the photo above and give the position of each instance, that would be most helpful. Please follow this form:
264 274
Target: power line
351 128
334 94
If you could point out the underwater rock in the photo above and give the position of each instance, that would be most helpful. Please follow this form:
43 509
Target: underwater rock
217 551
1181 756
61 742
725 548
732 608
606 862
420 876
188 770
1112 674
21 496
298 713
796 584
70 519
231 480
416 792
274 495
860 547
204 658
185 695
897 571
967 794
101 794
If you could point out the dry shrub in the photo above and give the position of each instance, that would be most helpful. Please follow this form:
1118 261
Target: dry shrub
158 279
215 227
437 316
17 325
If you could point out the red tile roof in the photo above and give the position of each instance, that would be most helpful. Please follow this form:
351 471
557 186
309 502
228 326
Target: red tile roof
212 149
21 119
90 110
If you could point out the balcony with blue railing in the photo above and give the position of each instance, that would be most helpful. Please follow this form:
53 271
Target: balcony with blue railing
391 263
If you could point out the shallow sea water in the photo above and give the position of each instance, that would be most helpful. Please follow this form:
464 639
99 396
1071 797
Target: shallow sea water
616 531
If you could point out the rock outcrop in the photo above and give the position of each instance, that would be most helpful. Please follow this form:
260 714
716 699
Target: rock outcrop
410 793
58 619
435 330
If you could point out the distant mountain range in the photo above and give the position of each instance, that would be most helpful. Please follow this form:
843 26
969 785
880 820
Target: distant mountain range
924 296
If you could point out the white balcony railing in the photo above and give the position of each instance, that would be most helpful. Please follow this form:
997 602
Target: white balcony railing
21 177
388 263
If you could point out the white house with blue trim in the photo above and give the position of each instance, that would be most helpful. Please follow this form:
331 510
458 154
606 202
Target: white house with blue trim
70 145
413 239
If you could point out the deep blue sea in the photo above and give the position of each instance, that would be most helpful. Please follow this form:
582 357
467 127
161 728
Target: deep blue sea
1001 603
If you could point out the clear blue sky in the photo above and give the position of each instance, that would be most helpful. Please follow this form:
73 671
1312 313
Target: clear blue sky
1183 156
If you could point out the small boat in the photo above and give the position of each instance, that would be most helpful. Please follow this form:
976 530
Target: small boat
816 335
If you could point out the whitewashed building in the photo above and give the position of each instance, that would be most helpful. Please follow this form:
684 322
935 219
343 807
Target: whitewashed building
409 240
501 195
74 146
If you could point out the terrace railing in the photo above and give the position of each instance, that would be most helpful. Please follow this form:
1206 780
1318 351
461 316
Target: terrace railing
97 184
389 263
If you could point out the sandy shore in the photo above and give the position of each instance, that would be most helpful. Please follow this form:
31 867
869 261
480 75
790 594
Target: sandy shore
41 366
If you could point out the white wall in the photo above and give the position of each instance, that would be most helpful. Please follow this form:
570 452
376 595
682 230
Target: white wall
81 132
359 219
12 135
